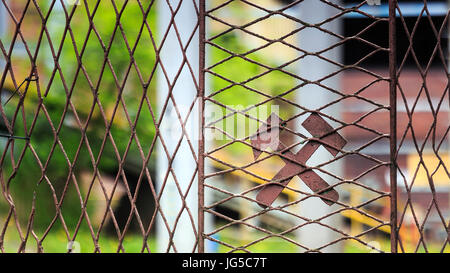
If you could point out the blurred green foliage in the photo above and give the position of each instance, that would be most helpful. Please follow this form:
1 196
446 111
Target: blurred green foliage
99 78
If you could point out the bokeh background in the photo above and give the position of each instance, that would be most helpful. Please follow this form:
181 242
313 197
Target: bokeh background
95 167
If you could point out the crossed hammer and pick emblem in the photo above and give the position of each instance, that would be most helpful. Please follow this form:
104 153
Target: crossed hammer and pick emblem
268 136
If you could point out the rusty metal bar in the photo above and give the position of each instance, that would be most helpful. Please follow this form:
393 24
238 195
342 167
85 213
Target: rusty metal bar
201 142
393 123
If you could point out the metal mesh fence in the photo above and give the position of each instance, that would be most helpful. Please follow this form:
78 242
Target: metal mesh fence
304 57
81 128
423 125
224 126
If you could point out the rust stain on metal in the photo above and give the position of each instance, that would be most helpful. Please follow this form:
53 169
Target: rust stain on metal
323 134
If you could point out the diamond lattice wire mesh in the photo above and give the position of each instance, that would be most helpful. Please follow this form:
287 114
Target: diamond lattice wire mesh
289 59
98 99
423 128
85 88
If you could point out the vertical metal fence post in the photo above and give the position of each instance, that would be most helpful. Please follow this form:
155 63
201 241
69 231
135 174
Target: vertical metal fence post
201 143
393 123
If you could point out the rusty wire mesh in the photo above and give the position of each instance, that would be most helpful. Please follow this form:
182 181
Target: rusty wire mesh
83 116
294 218
423 132
82 127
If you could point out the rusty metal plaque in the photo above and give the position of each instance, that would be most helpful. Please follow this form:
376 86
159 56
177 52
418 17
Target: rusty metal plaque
323 134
